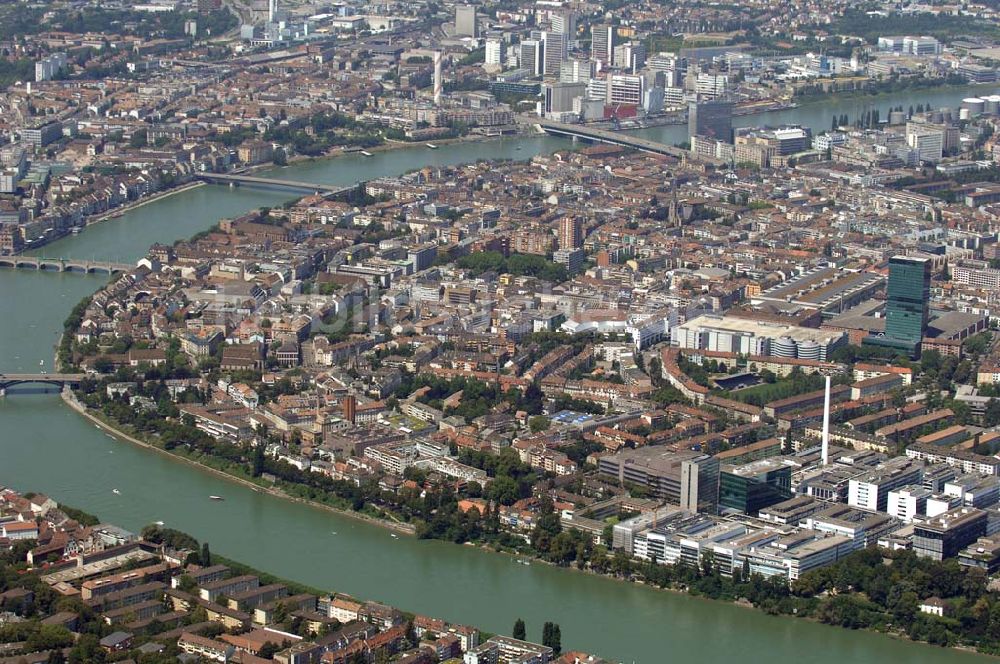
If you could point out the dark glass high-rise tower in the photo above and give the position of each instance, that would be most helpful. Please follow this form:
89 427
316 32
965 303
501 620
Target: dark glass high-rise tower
907 304
713 119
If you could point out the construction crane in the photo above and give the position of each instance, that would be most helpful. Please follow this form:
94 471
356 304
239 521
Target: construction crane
615 122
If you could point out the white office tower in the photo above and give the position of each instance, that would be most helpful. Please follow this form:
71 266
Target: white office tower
710 86
576 71
532 51
555 52
927 143
496 52
671 66
513 59
438 84
465 21
630 56
564 23
598 89
625 89
602 43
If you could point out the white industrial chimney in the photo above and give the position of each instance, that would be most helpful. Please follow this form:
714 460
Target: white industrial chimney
826 423
437 78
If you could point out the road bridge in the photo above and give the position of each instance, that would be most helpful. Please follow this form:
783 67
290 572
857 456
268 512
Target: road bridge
620 138
63 265
326 190
57 379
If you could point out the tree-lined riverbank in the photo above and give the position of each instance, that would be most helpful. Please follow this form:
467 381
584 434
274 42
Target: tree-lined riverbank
119 431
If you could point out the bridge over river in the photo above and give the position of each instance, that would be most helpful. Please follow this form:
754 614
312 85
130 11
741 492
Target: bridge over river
620 138
57 379
63 264
327 190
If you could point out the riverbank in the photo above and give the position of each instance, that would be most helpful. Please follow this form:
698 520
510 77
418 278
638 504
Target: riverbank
391 145
135 205
815 112
296 160
771 596
158 543
823 99
333 154
113 214
70 400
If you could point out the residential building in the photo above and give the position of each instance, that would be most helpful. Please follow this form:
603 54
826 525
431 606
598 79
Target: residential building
570 233
50 66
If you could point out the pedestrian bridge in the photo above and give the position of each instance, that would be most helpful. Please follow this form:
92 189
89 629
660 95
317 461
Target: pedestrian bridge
63 265
57 379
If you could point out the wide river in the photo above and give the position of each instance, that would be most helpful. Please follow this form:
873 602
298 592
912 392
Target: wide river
46 447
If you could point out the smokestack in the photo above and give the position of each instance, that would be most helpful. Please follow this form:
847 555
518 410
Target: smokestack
350 409
437 78
826 423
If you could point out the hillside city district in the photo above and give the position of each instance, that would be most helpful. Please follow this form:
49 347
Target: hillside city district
756 353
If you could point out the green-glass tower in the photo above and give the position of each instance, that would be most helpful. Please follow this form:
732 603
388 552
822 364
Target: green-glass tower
907 304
